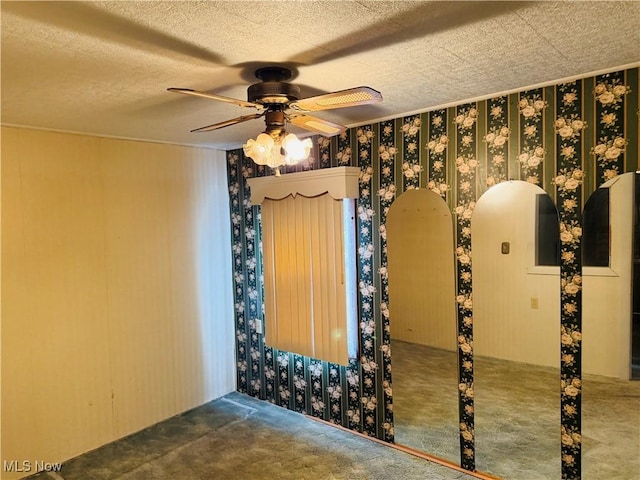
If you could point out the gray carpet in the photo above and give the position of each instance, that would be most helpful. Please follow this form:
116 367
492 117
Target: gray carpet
517 416
238 437
425 399
517 433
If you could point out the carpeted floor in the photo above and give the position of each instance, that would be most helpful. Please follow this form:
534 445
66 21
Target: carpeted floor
517 416
238 437
425 399
517 432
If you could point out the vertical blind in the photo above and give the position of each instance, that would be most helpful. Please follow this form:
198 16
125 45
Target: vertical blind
309 276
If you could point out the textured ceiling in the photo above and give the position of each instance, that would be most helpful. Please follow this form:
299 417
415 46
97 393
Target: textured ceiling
104 67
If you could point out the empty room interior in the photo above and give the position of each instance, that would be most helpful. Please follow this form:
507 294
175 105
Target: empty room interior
318 239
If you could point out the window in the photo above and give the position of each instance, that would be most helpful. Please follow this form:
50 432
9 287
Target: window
308 238
595 230
547 232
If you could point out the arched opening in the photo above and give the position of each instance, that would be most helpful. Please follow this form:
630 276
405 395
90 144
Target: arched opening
423 323
610 302
516 315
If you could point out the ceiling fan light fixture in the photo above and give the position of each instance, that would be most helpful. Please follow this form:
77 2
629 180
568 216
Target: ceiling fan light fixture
259 149
296 150
277 150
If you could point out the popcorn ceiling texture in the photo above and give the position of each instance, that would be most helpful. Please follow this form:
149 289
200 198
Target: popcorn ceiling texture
104 67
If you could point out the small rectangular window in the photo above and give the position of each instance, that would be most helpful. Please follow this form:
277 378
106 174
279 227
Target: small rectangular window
595 230
547 232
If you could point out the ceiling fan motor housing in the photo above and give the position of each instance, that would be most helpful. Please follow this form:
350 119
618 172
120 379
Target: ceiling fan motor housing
269 93
273 90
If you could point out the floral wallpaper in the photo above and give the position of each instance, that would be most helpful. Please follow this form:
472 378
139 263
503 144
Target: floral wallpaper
569 127
466 164
567 138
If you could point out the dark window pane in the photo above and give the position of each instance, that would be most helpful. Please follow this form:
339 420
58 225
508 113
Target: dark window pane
595 230
547 232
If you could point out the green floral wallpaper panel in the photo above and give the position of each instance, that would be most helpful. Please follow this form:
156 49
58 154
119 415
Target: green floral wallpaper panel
567 138
569 127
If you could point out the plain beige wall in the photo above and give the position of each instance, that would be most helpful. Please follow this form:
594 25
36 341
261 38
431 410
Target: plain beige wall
421 270
504 323
116 289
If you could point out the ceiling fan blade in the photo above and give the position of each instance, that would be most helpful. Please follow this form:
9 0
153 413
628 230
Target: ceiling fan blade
317 125
227 123
235 101
344 98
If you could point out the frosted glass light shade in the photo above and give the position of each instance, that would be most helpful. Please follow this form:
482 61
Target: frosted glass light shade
296 150
260 150
274 152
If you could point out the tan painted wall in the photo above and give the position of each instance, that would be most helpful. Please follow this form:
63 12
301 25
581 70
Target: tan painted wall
421 270
116 289
505 324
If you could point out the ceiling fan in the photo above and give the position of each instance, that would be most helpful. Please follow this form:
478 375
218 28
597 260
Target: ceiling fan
278 101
